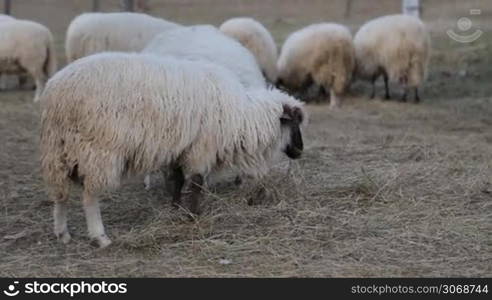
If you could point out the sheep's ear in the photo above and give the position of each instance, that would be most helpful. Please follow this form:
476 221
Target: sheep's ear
292 114
297 115
286 114
279 83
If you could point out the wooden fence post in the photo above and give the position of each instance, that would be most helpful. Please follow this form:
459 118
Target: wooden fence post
128 5
96 5
7 7
348 8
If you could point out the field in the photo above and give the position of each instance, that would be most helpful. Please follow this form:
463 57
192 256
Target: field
384 188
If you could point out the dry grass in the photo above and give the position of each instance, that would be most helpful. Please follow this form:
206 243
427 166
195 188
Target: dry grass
384 189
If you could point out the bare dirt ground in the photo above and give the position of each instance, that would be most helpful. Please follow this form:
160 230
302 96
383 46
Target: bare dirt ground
384 188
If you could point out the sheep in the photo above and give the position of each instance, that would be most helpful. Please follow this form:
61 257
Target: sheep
29 46
91 33
395 46
114 115
255 37
205 42
321 54
6 18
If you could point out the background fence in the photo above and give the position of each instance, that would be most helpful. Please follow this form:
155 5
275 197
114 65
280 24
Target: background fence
279 16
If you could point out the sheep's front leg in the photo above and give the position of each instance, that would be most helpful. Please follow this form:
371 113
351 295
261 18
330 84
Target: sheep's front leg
177 178
94 221
60 216
196 193
404 95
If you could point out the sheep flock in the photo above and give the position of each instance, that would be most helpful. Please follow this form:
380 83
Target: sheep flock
141 94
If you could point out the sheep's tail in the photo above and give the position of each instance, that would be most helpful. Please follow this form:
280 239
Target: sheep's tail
55 169
418 61
50 64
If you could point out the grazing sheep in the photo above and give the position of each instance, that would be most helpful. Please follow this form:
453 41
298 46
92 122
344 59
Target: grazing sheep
27 46
397 47
205 42
6 18
322 54
91 33
115 115
254 36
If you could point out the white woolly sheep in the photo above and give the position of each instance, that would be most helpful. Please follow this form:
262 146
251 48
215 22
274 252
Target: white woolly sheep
27 46
322 54
397 47
114 115
254 36
91 33
6 18
205 42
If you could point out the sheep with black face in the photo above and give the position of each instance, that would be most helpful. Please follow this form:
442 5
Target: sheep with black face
114 115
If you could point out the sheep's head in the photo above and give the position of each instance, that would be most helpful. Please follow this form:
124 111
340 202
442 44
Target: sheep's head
291 120
296 85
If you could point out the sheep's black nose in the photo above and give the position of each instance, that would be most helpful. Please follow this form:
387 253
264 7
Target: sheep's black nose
293 152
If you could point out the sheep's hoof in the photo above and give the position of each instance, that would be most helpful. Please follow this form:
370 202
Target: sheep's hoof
101 241
64 236
261 195
195 210
193 216
147 184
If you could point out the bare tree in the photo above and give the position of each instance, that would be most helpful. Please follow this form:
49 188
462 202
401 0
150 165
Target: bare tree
96 5
7 5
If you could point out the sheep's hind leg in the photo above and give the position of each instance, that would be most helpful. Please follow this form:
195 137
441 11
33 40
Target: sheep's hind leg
39 80
94 221
373 82
417 97
404 96
334 100
386 86
175 182
147 183
60 216
196 193
238 180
